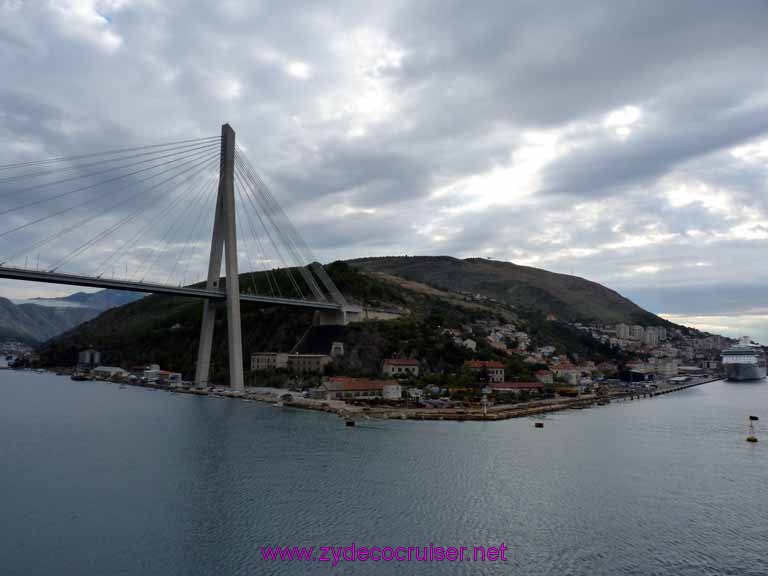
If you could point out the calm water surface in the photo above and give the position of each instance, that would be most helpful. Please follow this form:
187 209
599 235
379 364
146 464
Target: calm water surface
100 480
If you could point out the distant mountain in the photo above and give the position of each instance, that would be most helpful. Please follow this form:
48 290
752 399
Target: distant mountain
101 300
39 319
570 298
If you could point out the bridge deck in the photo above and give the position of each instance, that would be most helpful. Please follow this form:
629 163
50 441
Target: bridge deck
88 281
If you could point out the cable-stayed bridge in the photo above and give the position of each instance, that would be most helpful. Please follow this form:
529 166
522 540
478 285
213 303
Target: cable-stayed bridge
163 218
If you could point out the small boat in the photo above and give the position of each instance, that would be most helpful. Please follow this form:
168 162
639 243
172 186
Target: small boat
539 425
279 404
349 422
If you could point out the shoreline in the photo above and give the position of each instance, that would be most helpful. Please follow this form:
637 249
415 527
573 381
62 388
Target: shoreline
384 412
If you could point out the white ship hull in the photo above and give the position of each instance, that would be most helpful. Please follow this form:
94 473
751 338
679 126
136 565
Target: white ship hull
739 372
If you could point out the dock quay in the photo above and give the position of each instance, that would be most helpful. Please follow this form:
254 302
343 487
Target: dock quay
636 395
355 413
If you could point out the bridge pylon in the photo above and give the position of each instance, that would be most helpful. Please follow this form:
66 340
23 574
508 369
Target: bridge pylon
223 244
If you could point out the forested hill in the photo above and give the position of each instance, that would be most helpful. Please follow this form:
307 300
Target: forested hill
165 329
570 298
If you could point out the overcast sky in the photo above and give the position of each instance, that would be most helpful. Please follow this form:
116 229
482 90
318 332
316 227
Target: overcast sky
623 141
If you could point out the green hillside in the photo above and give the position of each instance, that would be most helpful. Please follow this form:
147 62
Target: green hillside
165 329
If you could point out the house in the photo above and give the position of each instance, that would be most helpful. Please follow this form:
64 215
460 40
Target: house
516 388
567 372
400 367
523 340
544 376
494 369
346 388
470 344
415 393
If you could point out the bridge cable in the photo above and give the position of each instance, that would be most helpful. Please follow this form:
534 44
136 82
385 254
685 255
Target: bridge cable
272 281
169 234
284 232
211 215
17 165
297 264
83 221
108 170
286 268
95 163
275 245
139 233
244 210
194 228
88 201
318 268
90 243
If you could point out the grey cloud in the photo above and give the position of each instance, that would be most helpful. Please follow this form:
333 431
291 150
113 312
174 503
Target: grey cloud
474 79
605 167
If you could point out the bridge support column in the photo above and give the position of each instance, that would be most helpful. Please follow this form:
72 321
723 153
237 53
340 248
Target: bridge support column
223 242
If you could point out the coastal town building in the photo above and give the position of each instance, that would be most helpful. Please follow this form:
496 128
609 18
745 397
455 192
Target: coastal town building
148 372
470 344
337 349
522 339
636 332
268 361
109 372
170 377
346 388
665 368
568 373
297 363
544 376
88 359
516 388
400 367
308 363
651 337
494 369
689 370
711 364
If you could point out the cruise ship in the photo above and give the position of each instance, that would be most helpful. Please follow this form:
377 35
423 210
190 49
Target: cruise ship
745 361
